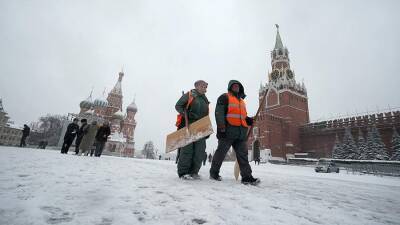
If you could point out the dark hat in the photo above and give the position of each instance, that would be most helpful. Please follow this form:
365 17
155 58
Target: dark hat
83 120
75 119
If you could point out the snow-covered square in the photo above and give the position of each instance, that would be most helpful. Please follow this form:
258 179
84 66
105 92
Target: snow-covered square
46 187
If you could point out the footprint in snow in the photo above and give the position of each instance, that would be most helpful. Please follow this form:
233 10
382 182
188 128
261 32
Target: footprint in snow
199 221
57 215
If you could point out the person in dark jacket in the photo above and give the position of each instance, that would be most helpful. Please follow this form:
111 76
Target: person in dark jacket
196 105
25 134
205 158
69 136
82 130
232 126
257 161
101 138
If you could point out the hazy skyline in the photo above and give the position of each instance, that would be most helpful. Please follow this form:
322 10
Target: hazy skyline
54 52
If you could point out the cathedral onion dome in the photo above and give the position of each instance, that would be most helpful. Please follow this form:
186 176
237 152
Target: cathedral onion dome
100 102
132 107
118 115
87 103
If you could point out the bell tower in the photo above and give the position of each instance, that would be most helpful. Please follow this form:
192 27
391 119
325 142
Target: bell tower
285 107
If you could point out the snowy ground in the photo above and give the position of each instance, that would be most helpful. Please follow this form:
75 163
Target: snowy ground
45 187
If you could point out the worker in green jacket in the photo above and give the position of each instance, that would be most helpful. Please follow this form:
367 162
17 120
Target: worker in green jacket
191 156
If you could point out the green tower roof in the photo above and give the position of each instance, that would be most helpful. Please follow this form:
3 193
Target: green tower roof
278 42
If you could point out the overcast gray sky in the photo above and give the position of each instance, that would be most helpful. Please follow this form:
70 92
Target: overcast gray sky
53 52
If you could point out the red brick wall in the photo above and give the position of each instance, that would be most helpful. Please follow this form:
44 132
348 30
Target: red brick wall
320 137
279 125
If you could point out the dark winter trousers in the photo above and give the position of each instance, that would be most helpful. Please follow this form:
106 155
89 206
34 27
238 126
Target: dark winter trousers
191 157
77 143
22 143
99 148
65 147
240 147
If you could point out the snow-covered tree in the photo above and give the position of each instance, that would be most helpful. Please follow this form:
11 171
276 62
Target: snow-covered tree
350 150
149 150
376 149
362 146
49 129
395 146
337 151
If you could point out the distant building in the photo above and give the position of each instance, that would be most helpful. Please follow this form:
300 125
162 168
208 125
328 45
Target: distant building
121 141
284 127
9 133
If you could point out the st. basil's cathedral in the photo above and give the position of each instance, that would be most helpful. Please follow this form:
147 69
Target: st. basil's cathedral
122 123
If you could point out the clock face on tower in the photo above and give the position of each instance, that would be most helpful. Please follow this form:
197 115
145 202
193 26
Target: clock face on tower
274 75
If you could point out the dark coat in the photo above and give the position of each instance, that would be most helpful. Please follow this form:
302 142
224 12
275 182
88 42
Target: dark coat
26 131
197 109
231 132
102 133
82 130
71 132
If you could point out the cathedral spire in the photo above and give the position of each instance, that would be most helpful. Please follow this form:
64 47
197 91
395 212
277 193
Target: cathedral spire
1 105
278 41
117 87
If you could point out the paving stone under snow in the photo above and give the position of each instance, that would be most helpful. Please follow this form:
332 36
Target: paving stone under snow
45 187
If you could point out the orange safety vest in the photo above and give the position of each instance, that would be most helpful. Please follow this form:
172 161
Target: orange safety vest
236 115
180 117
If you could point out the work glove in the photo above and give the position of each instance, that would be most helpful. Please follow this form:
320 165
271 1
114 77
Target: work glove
221 133
249 121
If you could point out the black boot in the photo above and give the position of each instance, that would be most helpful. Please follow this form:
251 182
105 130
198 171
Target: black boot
215 177
250 180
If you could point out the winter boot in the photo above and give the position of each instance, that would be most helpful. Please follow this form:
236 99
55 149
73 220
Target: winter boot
215 177
250 180
195 176
186 177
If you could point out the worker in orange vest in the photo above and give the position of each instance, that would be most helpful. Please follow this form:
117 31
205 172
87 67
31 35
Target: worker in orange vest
232 126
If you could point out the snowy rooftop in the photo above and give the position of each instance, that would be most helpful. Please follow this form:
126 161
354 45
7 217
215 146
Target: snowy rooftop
45 187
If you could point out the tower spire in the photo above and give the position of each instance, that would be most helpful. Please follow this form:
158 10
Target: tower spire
1 105
278 41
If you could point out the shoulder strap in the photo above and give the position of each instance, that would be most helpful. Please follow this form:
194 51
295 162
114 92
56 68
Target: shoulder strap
190 99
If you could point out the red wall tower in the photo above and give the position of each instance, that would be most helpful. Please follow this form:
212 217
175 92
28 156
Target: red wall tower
285 109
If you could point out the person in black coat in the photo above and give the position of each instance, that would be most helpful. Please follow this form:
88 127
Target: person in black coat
82 130
25 133
101 138
69 136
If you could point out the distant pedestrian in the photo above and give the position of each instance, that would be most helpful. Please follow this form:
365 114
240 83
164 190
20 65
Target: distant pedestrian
88 139
82 131
69 136
25 134
101 138
205 158
209 158
257 161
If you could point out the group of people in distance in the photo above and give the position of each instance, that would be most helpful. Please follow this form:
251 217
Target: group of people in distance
232 127
86 135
